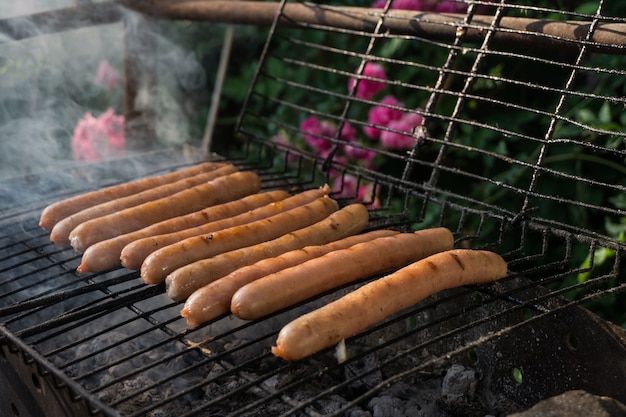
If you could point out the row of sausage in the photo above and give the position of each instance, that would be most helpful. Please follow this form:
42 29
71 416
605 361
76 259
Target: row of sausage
224 246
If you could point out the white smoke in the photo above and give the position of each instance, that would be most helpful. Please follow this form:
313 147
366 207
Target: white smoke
47 84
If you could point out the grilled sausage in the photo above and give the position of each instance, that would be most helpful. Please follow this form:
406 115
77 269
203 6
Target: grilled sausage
59 210
348 221
160 263
292 285
373 302
107 253
61 231
135 253
214 299
220 190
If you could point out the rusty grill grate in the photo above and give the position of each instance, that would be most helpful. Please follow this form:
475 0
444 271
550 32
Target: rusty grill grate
542 185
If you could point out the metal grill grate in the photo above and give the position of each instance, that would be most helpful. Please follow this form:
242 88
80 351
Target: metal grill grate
520 151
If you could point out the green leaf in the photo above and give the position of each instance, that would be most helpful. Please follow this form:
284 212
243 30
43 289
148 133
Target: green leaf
586 116
619 201
600 256
605 115
588 8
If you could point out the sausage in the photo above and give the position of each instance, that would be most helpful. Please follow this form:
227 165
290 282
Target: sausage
214 299
373 302
165 260
347 221
135 253
61 209
106 254
292 285
61 231
220 190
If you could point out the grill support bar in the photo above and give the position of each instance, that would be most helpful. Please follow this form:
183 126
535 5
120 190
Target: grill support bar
608 37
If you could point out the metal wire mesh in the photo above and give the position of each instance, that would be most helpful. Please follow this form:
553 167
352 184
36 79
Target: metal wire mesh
503 128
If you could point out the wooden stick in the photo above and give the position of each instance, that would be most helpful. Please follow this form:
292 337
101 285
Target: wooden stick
608 37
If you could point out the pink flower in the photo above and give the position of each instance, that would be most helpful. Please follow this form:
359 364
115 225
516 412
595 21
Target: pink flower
362 155
99 138
400 4
449 6
348 132
366 89
347 185
399 141
106 75
382 115
317 134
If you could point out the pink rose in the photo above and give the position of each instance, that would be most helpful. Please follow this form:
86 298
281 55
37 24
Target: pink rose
106 75
382 115
399 141
400 4
362 155
347 185
366 89
348 132
317 134
449 6
99 138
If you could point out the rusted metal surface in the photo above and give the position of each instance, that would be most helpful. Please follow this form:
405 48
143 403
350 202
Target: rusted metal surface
569 349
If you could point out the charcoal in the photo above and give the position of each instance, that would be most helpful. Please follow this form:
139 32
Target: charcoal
458 392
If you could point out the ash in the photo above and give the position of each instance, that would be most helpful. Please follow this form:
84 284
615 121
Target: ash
216 388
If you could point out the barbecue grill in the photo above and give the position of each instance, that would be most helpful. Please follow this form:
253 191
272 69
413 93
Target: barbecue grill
542 185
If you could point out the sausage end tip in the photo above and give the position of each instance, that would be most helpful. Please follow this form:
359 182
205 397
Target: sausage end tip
277 351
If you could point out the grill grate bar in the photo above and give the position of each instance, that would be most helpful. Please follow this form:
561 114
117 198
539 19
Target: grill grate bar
57 295
457 49
56 351
61 380
191 346
560 105
81 315
467 84
230 369
28 261
485 178
216 358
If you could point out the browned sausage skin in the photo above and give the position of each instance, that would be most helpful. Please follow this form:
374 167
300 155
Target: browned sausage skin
219 190
292 285
347 221
164 261
61 209
134 254
373 302
214 299
107 253
59 234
